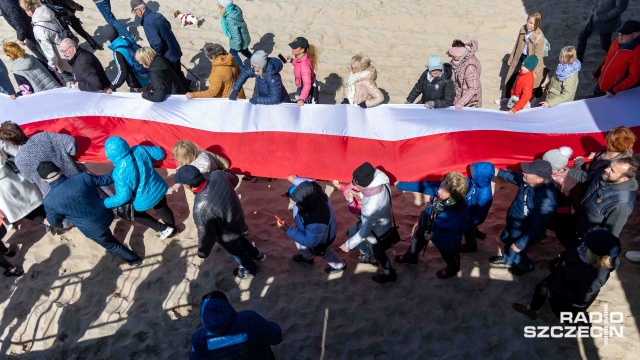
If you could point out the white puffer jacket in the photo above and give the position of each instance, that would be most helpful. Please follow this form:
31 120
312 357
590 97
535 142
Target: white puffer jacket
48 32
18 197
376 212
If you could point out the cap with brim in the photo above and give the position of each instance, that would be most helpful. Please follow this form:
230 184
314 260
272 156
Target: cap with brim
135 4
48 170
299 42
188 175
629 27
538 167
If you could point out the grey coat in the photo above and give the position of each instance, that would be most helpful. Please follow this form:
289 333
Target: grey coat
605 16
38 76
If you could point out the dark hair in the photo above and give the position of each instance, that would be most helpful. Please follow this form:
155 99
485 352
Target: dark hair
215 294
458 43
632 162
212 51
12 133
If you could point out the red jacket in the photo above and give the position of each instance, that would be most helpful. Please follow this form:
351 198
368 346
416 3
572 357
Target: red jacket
522 89
303 72
620 70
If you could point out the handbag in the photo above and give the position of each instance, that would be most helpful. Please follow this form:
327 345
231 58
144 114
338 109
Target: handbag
126 210
391 236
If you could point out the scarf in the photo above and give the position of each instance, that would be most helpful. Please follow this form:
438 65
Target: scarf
351 83
231 10
631 44
457 65
564 71
372 191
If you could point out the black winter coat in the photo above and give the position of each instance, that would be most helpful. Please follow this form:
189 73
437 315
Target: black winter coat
18 19
163 81
217 212
63 7
88 71
440 90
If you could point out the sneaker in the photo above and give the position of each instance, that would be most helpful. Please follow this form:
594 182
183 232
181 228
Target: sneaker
167 232
242 273
387 276
502 101
301 260
136 263
9 253
330 270
364 259
404 259
524 309
443 274
260 257
517 271
497 260
633 256
14 271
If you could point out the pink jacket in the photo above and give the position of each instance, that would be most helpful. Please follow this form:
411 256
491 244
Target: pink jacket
303 72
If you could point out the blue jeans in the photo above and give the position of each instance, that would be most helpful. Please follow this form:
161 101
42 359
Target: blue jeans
242 251
516 258
364 246
235 55
109 242
105 9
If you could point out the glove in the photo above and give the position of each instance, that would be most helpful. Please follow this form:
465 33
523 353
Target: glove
431 104
344 101
363 105
578 162
233 96
253 100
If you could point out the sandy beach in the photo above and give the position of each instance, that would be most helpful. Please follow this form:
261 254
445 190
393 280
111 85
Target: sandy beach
76 301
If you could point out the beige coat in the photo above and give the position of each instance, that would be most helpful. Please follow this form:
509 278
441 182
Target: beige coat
366 90
562 91
536 47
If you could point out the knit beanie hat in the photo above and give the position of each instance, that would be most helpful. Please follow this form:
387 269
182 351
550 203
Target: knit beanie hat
558 158
435 63
363 175
259 59
602 243
530 62
225 3
110 32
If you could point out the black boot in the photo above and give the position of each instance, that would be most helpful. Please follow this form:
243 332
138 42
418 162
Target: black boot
387 276
411 259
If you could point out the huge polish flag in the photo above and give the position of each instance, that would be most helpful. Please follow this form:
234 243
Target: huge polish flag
408 142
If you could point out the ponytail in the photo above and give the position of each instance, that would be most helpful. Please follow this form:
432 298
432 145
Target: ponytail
312 53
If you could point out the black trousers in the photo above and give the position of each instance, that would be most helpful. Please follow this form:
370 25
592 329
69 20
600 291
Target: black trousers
37 215
178 69
452 258
76 25
508 83
163 210
4 263
605 42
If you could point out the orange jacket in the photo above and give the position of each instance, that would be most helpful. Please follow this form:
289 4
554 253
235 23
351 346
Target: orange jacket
620 70
522 89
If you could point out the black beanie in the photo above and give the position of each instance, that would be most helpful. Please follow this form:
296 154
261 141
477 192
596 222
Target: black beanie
109 32
363 175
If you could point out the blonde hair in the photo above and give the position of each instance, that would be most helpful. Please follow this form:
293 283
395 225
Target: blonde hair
537 18
458 185
312 53
13 50
598 262
145 55
365 62
184 151
30 5
568 54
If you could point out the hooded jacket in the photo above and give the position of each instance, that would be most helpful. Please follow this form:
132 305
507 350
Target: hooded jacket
604 205
606 16
269 89
148 185
440 90
76 198
230 335
235 28
48 33
129 69
366 90
304 75
163 81
224 74
376 212
217 212
466 78
315 220
17 18
160 37
88 71
479 196
448 226
522 229
35 73
620 70
523 89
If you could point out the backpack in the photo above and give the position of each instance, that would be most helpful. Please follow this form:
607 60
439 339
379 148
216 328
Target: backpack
547 47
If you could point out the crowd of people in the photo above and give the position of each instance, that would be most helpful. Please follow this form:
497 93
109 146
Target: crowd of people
49 187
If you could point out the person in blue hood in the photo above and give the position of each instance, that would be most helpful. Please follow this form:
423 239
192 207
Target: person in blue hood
269 89
227 334
136 180
479 199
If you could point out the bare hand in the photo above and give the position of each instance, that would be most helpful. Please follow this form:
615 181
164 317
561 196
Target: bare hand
70 84
344 247
591 155
515 248
609 94
544 104
188 95
427 106
107 91
12 96
288 58
291 178
300 102
510 112
45 221
459 106
282 225
509 62
336 183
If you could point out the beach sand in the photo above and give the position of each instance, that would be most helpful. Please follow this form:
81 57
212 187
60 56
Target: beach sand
75 301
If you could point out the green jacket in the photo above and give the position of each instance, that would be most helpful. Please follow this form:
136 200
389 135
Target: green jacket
238 32
562 91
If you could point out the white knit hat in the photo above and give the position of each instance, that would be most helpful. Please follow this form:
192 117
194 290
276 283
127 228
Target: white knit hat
259 59
558 158
225 3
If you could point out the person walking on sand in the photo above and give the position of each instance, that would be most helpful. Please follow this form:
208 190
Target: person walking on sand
604 20
234 27
218 215
530 42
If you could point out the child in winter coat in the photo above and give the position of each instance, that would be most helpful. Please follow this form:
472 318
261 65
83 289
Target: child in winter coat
479 199
563 84
522 91
235 29
305 60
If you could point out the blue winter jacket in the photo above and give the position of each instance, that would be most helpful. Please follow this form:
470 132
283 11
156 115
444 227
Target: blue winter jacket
150 189
525 230
228 334
269 89
76 198
312 234
479 197
160 37
448 226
